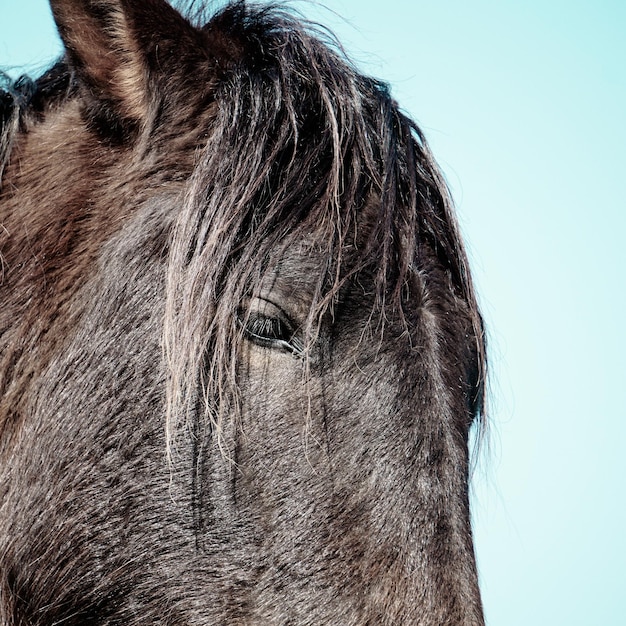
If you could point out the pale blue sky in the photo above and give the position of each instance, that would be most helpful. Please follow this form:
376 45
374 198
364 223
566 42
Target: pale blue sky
524 104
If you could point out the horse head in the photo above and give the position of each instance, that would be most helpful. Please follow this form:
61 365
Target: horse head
240 351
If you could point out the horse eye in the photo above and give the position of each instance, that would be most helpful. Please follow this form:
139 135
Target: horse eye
269 327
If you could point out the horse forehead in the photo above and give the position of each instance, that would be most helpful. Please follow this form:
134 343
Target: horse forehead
294 276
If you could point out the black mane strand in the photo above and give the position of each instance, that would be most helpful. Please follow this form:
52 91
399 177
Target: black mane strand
317 148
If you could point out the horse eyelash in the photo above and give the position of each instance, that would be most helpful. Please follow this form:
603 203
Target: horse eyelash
271 332
268 327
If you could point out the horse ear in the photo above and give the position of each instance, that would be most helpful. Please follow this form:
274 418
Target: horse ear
121 49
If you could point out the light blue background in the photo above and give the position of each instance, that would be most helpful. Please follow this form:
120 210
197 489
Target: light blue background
524 104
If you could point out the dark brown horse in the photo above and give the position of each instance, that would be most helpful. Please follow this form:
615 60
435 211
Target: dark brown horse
240 351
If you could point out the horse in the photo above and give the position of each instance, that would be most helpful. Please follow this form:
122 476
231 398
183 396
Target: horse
240 348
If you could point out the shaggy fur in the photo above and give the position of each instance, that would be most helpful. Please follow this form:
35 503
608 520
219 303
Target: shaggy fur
240 351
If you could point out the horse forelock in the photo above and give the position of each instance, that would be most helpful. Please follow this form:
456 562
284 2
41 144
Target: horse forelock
303 148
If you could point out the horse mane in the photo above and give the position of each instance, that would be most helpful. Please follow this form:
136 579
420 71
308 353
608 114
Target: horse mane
303 148
25 97
13 100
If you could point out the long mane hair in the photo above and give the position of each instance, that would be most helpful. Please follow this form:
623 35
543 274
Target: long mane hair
301 146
